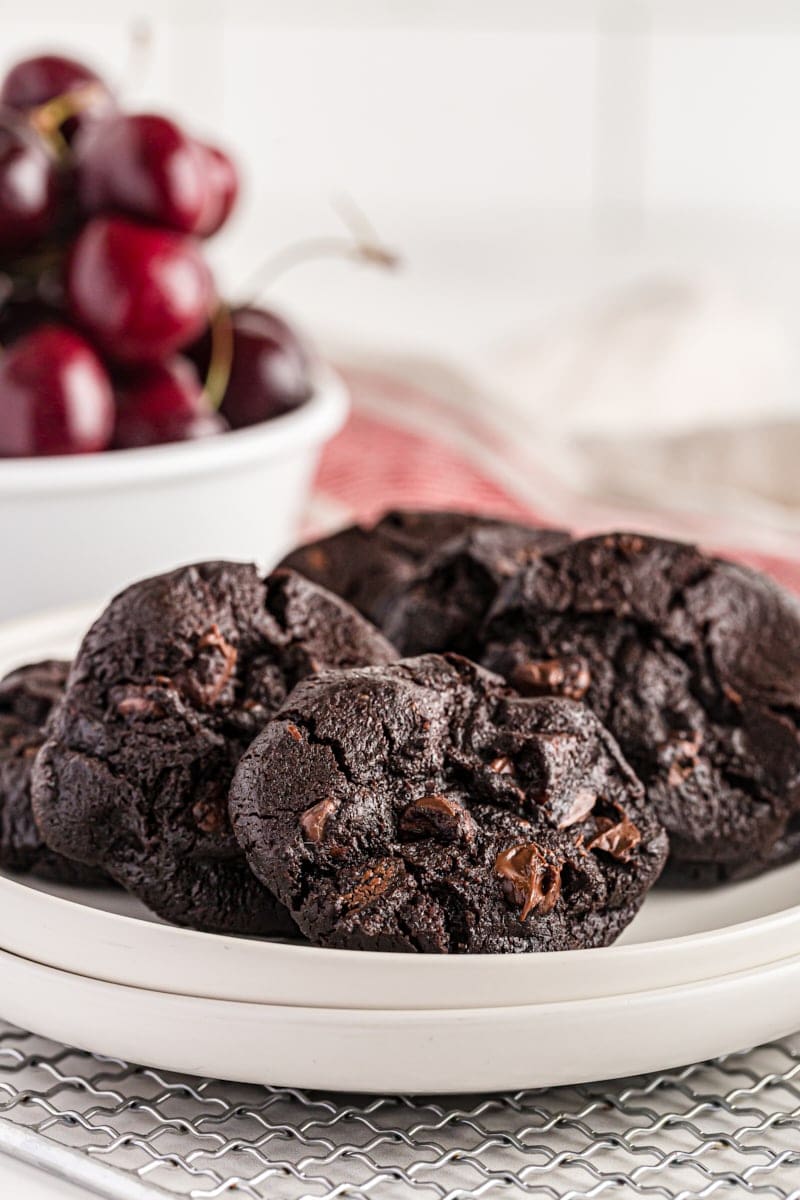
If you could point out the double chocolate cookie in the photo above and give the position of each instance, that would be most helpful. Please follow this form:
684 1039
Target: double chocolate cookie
27 697
169 687
784 850
692 662
423 806
444 602
365 565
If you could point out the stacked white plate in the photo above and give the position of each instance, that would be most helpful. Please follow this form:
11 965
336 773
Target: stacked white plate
696 975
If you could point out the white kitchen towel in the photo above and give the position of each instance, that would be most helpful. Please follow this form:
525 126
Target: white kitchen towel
422 434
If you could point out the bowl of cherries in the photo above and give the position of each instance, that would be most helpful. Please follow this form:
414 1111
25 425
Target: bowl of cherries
144 421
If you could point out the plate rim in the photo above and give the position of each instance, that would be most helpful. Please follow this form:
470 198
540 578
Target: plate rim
62 624
719 933
348 972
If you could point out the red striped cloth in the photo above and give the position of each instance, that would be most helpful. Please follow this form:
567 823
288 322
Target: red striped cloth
410 446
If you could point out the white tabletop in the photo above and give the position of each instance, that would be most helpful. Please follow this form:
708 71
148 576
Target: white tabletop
19 1179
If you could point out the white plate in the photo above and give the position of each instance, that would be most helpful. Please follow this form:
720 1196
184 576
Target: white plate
109 936
459 1050
680 937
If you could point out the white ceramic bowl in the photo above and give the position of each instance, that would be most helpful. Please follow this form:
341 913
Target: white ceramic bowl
77 529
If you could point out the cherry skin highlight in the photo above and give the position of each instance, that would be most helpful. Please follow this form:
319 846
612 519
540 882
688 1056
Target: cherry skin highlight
140 293
28 186
55 396
222 190
146 166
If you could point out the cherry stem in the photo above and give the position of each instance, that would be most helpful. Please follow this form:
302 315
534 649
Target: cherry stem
221 355
362 245
140 55
48 118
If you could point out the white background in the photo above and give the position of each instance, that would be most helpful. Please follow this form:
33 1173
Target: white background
522 155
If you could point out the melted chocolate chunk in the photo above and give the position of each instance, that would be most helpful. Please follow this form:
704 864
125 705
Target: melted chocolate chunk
371 885
314 819
212 669
534 882
618 838
568 677
438 817
581 807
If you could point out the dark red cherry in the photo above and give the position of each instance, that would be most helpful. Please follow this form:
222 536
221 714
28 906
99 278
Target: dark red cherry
270 368
144 165
55 396
35 81
141 293
221 192
163 403
28 189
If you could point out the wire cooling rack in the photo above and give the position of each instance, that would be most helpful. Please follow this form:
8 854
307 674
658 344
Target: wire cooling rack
729 1127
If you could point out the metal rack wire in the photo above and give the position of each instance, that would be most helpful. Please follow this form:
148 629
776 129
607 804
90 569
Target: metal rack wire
729 1127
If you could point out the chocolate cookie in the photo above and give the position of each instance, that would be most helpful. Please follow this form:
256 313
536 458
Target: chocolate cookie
366 564
443 604
169 687
783 851
425 807
693 663
27 697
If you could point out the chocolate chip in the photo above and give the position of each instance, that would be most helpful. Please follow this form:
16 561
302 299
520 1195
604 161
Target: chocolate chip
438 817
210 814
681 753
580 808
205 681
569 677
139 702
317 559
502 765
314 819
629 543
373 881
617 838
530 879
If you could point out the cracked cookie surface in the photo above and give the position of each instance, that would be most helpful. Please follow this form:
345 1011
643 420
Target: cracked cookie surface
27 697
422 806
367 564
169 687
692 662
443 604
